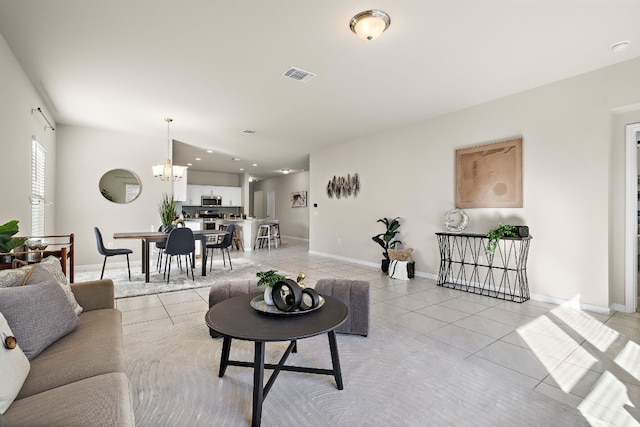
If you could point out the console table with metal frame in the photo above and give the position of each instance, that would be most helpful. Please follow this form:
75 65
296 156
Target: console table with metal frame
466 266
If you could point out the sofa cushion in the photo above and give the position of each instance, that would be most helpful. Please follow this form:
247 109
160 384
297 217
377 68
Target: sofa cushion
45 272
31 274
104 400
95 348
14 368
38 315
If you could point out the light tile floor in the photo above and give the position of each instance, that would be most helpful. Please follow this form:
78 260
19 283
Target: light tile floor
588 361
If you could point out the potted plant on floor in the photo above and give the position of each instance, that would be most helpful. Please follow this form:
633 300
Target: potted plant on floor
387 240
167 209
268 279
8 242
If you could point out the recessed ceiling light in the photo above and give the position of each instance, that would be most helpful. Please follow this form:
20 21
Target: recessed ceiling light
189 164
198 158
255 164
248 131
285 171
620 46
241 169
236 159
209 151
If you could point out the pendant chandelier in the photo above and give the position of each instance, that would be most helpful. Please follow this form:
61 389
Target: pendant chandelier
168 172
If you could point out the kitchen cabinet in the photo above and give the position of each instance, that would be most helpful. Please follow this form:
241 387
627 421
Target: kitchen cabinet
180 188
231 196
194 194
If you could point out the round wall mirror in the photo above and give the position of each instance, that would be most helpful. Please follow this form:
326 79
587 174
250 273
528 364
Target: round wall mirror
120 186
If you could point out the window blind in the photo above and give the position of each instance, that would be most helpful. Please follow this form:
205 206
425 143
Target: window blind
38 160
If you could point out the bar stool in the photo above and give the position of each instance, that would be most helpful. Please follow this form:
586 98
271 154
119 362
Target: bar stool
264 233
237 237
275 234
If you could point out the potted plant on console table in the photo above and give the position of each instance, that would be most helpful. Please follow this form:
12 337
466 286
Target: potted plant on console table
387 240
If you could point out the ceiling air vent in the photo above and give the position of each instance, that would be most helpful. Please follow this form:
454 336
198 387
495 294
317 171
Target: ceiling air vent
298 74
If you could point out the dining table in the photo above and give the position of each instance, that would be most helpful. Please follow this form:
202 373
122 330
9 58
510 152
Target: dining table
148 237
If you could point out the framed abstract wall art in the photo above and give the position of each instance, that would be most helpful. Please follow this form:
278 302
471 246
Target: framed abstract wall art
299 199
489 176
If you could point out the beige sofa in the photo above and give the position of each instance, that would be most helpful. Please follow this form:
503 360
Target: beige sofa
79 380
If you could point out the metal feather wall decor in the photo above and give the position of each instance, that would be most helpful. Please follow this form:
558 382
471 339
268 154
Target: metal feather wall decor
343 186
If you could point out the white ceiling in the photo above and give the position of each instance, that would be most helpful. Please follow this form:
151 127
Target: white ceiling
215 66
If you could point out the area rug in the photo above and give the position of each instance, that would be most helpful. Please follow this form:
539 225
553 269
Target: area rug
388 381
242 269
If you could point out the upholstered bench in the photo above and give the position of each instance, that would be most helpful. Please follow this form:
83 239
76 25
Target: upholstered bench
355 295
226 289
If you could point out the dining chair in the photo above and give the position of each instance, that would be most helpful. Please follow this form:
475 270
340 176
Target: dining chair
226 242
179 242
160 247
110 252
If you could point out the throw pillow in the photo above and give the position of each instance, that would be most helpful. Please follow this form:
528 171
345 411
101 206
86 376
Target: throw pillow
13 276
401 254
398 270
38 315
14 368
43 273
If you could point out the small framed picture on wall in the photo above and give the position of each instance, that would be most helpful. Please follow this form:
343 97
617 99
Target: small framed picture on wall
299 199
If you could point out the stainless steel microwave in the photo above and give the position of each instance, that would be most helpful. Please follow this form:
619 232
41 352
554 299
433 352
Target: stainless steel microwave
208 201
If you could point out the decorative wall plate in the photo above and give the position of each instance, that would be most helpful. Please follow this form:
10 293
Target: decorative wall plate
456 220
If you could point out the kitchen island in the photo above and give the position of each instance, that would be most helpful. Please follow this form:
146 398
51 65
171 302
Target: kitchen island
249 226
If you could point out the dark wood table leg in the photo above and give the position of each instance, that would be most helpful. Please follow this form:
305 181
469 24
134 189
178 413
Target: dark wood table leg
258 378
145 259
143 249
203 241
335 359
224 357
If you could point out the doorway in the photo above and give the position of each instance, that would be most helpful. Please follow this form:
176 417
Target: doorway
271 204
632 221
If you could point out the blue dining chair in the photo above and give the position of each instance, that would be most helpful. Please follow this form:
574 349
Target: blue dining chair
226 242
179 242
110 252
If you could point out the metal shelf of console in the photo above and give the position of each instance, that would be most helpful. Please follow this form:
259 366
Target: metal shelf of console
465 265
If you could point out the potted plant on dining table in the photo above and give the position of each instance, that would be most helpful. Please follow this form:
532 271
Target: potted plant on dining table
167 209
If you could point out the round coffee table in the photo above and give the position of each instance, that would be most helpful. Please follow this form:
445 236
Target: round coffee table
234 318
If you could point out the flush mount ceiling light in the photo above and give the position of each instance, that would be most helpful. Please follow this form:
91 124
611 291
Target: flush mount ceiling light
168 172
285 171
370 24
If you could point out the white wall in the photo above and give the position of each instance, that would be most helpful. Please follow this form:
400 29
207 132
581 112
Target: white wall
17 126
294 222
214 178
567 156
84 155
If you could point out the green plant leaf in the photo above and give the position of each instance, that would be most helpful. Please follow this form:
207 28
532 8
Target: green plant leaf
269 278
7 242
